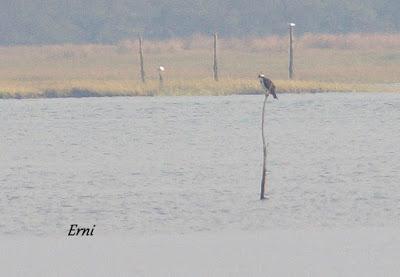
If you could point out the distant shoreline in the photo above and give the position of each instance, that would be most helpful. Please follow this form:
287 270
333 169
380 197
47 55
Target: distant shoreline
322 63
199 88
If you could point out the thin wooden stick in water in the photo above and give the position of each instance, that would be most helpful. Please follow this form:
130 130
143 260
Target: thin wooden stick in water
264 180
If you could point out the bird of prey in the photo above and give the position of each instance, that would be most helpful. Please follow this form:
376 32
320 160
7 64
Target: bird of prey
268 85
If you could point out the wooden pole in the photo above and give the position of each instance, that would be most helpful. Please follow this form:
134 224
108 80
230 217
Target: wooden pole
161 78
215 67
291 69
264 180
142 74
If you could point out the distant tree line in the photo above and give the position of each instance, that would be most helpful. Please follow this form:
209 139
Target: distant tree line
108 21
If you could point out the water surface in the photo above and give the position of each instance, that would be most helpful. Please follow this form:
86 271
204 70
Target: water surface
187 164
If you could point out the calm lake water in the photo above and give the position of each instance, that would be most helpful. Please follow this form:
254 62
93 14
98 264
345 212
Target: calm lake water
188 164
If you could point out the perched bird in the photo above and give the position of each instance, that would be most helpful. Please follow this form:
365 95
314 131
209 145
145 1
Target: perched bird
268 85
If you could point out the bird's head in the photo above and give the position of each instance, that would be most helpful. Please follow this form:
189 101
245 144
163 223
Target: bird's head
260 76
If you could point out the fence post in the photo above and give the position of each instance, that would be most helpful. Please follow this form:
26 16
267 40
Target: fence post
215 68
161 69
142 74
291 69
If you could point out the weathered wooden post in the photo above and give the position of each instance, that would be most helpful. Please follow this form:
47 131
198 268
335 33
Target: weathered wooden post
161 69
142 74
215 67
291 69
269 88
264 180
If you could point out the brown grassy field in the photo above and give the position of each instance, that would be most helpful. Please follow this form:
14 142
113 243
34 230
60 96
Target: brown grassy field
353 62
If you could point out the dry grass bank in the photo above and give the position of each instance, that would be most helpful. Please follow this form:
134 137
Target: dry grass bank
351 62
87 88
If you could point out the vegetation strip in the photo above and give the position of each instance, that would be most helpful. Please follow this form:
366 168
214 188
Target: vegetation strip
193 88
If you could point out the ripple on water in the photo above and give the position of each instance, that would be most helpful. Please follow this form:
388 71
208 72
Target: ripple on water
171 164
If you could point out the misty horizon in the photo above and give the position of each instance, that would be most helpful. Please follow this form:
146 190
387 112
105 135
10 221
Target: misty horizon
48 22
